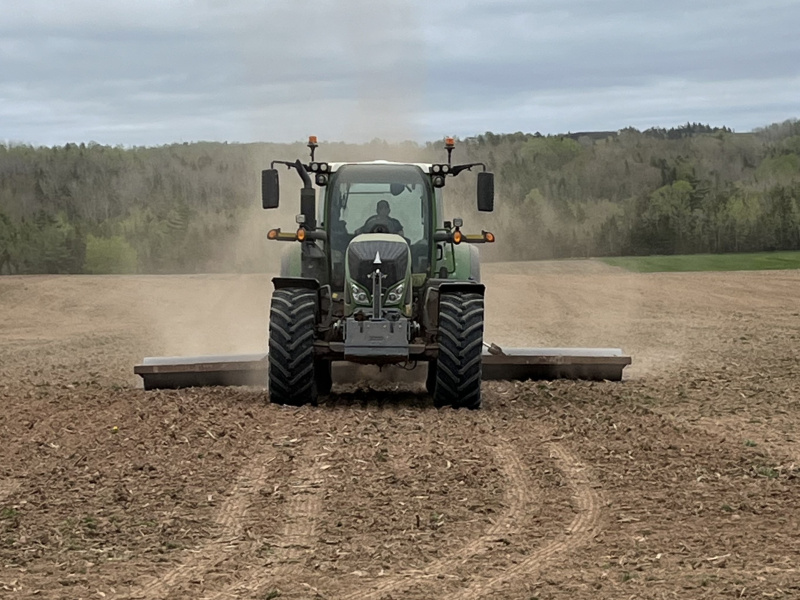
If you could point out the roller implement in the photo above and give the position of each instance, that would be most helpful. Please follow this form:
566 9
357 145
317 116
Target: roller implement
376 276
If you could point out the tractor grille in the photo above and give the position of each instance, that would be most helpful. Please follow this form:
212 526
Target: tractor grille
394 261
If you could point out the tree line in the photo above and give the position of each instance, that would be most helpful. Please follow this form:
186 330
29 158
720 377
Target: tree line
89 208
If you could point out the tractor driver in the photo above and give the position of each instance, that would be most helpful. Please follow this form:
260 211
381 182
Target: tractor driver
382 221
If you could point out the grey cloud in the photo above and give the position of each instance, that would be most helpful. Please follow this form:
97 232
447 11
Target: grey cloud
155 71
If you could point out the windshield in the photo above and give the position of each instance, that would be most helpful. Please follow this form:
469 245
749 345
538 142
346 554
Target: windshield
379 199
391 199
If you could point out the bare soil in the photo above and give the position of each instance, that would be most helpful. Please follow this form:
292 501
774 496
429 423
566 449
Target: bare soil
679 482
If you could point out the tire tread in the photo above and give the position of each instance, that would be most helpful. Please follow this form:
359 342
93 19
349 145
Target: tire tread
292 324
458 367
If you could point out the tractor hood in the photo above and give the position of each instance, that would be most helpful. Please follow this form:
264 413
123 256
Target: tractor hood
391 249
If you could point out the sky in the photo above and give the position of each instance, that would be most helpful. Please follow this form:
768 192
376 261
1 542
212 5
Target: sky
152 72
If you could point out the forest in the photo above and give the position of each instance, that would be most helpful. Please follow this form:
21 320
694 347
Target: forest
195 207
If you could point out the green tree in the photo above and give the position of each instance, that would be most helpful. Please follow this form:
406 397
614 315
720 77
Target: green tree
109 255
8 243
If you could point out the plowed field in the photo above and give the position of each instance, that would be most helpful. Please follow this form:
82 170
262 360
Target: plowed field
680 482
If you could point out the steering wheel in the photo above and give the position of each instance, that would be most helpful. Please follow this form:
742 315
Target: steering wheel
379 228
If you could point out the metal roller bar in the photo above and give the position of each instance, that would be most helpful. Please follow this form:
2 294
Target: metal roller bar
553 363
172 372
498 364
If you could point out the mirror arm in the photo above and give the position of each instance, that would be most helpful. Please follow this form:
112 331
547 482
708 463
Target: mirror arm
468 167
297 166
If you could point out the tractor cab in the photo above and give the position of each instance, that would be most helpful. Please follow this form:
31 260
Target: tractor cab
394 202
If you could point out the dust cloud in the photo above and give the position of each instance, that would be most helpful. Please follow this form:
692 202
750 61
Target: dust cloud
382 47
227 313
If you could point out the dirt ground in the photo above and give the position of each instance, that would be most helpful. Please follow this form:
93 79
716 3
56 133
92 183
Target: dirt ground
679 482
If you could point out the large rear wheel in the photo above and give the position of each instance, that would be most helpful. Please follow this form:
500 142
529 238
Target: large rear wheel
458 367
292 320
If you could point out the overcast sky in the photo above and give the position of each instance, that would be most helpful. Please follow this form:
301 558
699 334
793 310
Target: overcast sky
148 72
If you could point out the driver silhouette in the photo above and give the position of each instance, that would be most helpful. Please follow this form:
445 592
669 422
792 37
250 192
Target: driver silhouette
382 222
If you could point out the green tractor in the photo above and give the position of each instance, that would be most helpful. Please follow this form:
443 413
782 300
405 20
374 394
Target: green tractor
376 275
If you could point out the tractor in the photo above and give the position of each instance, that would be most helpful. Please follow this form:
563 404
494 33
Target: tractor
376 275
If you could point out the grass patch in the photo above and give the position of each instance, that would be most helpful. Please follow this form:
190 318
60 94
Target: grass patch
767 472
8 513
758 261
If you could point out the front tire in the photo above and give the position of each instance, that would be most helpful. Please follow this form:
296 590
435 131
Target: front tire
292 323
458 367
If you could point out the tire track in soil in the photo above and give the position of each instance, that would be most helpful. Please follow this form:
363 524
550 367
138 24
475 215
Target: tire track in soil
583 528
297 538
230 517
518 495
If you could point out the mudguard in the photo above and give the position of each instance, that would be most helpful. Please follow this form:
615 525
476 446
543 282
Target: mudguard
281 283
466 260
433 289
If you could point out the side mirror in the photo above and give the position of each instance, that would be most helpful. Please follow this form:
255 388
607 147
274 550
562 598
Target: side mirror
485 191
270 190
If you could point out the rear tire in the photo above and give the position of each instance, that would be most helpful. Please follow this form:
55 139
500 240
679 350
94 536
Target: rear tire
292 322
458 367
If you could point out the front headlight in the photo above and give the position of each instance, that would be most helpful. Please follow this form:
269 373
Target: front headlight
395 295
358 294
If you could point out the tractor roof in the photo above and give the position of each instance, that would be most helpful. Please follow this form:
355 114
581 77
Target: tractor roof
424 166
